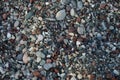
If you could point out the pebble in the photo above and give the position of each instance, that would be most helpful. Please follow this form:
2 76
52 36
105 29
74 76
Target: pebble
42 62
20 57
9 35
60 15
79 5
72 12
29 15
36 73
38 59
80 30
79 76
16 24
47 66
25 58
116 72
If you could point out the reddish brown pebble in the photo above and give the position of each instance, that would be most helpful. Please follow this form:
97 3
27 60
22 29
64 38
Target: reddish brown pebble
92 77
36 74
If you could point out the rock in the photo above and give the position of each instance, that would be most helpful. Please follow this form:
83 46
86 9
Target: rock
38 59
42 62
25 58
80 30
16 24
40 37
4 16
73 78
72 12
48 56
20 57
111 27
79 76
64 1
36 74
79 5
1 70
116 72
47 66
40 54
9 35
61 15
48 61
29 15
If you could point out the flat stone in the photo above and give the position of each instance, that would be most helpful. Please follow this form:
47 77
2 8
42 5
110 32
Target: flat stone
42 62
40 54
16 23
116 72
20 57
25 58
61 15
79 5
29 15
80 30
72 12
40 37
47 66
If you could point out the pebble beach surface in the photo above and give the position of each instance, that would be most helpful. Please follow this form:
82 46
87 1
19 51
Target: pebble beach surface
59 40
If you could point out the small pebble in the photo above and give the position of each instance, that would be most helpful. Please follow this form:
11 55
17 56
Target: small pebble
60 15
47 66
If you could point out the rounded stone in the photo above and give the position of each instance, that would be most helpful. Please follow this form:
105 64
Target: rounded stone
79 76
60 15
72 12
16 23
25 58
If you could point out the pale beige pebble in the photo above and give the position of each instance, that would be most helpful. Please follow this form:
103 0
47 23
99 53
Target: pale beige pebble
79 76
26 58
89 0
40 18
24 50
82 21
71 34
74 54
23 42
